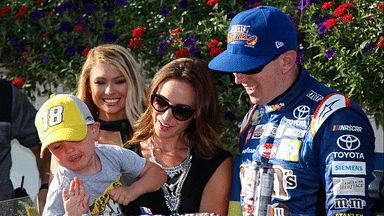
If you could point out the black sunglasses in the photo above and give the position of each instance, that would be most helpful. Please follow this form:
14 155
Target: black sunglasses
181 113
259 69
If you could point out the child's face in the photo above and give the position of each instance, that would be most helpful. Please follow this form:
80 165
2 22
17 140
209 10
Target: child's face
78 156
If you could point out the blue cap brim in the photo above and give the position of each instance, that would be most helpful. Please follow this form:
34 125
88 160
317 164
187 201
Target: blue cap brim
237 63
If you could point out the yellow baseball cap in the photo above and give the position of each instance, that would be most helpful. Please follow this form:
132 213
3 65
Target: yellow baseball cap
62 118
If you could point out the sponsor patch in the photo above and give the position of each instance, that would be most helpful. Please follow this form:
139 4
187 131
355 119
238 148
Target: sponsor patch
267 150
294 132
240 33
348 168
296 123
259 130
349 203
315 96
274 130
348 142
353 128
288 150
275 107
349 186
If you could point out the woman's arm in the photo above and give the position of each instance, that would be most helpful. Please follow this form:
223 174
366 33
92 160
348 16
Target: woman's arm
216 193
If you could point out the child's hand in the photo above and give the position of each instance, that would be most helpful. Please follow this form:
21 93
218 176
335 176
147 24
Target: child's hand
123 195
76 202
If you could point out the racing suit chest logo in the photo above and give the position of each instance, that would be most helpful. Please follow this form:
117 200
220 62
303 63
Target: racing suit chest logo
301 112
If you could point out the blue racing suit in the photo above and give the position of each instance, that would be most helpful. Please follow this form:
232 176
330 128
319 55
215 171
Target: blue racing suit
321 145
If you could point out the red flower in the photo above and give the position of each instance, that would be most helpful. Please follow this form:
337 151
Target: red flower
134 43
213 44
216 51
176 31
177 40
256 4
138 32
212 2
18 82
181 53
48 15
86 51
79 27
380 42
15 16
327 5
23 10
39 1
380 6
330 23
346 18
23 56
341 10
46 34
4 10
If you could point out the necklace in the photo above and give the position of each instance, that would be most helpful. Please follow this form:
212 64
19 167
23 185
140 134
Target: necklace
171 171
172 192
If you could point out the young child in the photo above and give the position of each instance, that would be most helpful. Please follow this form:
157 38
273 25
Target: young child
67 128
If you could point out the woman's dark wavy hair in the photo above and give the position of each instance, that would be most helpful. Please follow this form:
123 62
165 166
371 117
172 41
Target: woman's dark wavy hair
203 130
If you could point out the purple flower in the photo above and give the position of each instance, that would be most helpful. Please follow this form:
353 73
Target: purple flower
165 12
300 55
65 26
69 6
20 47
229 116
45 58
162 46
291 18
120 2
38 14
367 48
230 15
303 4
330 53
109 24
189 42
192 50
78 19
192 8
60 9
109 37
322 29
89 8
369 19
184 4
71 50
80 50
321 20
15 41
107 7
300 37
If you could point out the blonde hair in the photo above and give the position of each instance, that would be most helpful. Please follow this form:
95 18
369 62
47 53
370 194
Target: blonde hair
119 57
203 129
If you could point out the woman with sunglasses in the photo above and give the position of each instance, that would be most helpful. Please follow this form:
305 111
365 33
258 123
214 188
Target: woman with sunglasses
179 132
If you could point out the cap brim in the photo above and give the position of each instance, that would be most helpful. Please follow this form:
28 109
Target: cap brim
75 133
236 63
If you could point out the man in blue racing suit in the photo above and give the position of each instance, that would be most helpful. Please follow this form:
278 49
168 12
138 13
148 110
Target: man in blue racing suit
319 143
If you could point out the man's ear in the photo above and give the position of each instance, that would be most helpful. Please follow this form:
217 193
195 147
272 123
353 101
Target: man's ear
289 60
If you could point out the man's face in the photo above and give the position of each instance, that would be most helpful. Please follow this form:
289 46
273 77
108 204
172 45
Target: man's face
265 86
